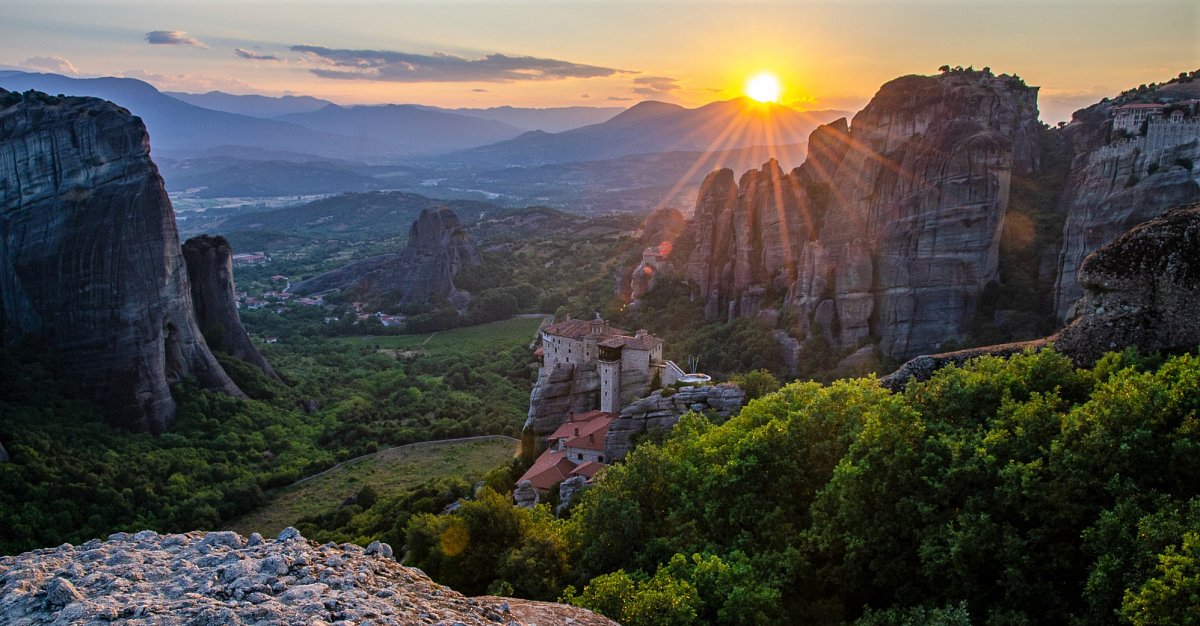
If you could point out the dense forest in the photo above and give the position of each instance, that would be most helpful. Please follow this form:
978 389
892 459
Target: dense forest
1023 491
72 478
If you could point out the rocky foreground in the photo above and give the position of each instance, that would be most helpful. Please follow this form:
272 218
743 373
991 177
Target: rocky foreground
221 578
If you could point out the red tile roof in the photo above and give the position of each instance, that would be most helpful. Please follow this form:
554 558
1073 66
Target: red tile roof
583 424
549 468
645 342
578 329
588 469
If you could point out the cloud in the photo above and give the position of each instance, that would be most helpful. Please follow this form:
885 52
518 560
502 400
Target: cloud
619 99
55 64
256 56
173 38
654 85
439 67
585 95
478 90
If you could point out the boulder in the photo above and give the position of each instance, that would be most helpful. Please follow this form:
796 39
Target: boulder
568 490
660 411
525 495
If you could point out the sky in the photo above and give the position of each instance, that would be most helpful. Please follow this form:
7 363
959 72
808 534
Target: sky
827 54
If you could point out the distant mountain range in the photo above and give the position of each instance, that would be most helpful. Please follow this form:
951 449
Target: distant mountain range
177 125
252 105
419 129
652 127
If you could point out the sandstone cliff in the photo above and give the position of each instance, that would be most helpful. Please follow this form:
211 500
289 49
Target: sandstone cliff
1142 290
210 272
222 579
890 230
90 261
438 247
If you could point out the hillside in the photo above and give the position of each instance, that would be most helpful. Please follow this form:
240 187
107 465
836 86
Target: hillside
387 473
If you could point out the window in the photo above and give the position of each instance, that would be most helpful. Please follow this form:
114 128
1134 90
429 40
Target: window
579 456
601 458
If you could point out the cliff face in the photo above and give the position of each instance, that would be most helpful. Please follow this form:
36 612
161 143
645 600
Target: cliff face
1113 186
890 229
438 247
222 578
210 271
90 261
915 209
1141 290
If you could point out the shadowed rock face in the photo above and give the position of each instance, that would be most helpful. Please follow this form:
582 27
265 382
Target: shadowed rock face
90 262
438 247
1142 290
210 272
1107 194
892 225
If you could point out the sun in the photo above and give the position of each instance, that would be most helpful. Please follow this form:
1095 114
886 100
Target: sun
763 87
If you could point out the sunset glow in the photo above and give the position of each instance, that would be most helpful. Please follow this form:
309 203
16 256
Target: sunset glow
764 88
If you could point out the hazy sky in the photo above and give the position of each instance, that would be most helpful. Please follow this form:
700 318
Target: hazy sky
831 54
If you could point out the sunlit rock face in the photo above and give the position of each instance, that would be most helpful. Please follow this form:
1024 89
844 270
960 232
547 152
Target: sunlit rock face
90 261
893 221
210 272
438 247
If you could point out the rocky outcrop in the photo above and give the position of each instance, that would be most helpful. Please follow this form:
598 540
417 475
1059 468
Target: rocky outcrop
1114 185
746 236
911 232
1142 290
525 495
568 490
438 247
90 261
890 230
565 389
661 411
220 578
210 271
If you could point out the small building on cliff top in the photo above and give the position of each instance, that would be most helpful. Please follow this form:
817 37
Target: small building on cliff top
627 362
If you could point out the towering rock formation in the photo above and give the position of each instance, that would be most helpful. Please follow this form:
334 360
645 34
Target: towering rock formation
90 262
438 247
210 272
912 229
1117 182
890 230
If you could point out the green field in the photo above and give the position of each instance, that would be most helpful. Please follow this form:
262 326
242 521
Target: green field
471 339
389 472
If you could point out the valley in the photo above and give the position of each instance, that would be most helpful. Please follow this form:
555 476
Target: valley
735 362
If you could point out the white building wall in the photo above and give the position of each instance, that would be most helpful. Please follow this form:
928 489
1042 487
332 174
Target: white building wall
580 455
